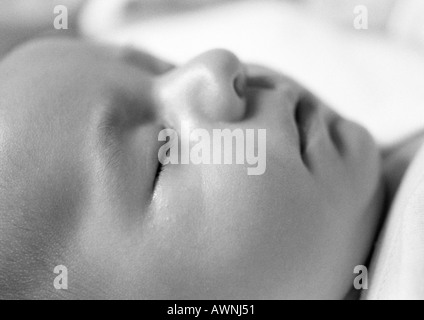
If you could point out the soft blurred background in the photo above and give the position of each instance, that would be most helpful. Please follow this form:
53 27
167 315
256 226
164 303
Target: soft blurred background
402 18
373 76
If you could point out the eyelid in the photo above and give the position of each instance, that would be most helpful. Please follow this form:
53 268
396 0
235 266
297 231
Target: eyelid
160 168
172 139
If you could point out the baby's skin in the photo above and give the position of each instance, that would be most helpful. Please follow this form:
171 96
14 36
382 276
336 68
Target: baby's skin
80 185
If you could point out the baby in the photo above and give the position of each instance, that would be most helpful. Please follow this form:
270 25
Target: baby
82 186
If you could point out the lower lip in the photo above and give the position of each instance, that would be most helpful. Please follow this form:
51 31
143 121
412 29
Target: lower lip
336 133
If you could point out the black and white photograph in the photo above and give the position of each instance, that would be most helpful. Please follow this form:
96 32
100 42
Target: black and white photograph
212 155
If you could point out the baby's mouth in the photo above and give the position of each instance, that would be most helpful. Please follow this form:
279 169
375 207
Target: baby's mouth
304 114
307 113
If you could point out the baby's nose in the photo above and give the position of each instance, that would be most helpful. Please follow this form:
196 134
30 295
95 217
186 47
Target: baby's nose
211 86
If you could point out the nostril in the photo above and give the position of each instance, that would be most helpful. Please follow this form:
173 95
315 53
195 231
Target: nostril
240 86
261 83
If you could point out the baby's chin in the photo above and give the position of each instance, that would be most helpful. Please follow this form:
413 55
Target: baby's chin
370 183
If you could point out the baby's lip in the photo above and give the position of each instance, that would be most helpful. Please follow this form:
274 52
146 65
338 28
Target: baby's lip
336 136
305 115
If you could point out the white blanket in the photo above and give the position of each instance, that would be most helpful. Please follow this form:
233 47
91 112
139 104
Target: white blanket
398 263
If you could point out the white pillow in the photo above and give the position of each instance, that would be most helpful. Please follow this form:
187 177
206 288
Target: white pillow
398 264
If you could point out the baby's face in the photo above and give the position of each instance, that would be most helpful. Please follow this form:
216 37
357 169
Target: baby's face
79 157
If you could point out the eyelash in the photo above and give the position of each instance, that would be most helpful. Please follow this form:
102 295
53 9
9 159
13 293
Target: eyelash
159 170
